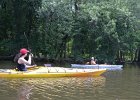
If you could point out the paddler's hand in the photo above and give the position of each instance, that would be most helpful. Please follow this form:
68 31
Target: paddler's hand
30 55
34 65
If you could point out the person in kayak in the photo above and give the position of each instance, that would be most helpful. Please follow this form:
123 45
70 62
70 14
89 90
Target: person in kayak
92 62
22 63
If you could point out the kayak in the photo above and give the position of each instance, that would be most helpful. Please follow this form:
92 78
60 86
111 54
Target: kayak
50 72
97 66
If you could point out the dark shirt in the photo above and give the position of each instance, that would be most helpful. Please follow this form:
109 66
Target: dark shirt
21 67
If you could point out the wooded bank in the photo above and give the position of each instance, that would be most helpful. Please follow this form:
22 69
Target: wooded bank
109 30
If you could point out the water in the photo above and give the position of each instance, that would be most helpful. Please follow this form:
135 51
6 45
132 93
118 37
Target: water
112 85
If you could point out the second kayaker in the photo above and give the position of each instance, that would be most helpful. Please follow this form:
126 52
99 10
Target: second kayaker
93 62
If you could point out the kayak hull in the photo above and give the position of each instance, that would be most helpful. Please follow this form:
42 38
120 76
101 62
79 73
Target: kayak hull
108 67
51 73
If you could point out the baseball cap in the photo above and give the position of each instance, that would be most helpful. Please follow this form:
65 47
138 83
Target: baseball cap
23 51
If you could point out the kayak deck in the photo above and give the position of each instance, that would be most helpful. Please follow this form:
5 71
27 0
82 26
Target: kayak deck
50 72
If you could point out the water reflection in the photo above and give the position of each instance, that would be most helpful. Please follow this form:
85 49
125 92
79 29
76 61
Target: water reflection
66 88
18 89
53 88
24 92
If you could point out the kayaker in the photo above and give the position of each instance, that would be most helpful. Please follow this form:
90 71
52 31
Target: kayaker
92 62
22 63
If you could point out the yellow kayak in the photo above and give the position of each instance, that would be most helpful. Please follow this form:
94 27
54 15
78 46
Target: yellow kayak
50 72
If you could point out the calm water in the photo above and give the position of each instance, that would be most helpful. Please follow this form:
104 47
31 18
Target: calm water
112 85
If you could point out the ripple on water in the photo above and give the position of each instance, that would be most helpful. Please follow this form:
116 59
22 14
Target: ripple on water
66 88
52 88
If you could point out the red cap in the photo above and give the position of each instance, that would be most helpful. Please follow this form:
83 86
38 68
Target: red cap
23 51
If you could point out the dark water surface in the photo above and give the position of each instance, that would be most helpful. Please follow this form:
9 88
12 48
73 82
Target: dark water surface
112 85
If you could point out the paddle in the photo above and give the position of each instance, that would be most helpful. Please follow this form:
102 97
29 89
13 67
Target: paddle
32 60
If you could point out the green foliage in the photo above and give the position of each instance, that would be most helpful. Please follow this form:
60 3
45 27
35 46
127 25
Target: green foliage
106 29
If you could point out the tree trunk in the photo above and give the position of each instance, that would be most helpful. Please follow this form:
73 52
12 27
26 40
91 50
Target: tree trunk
139 55
136 55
